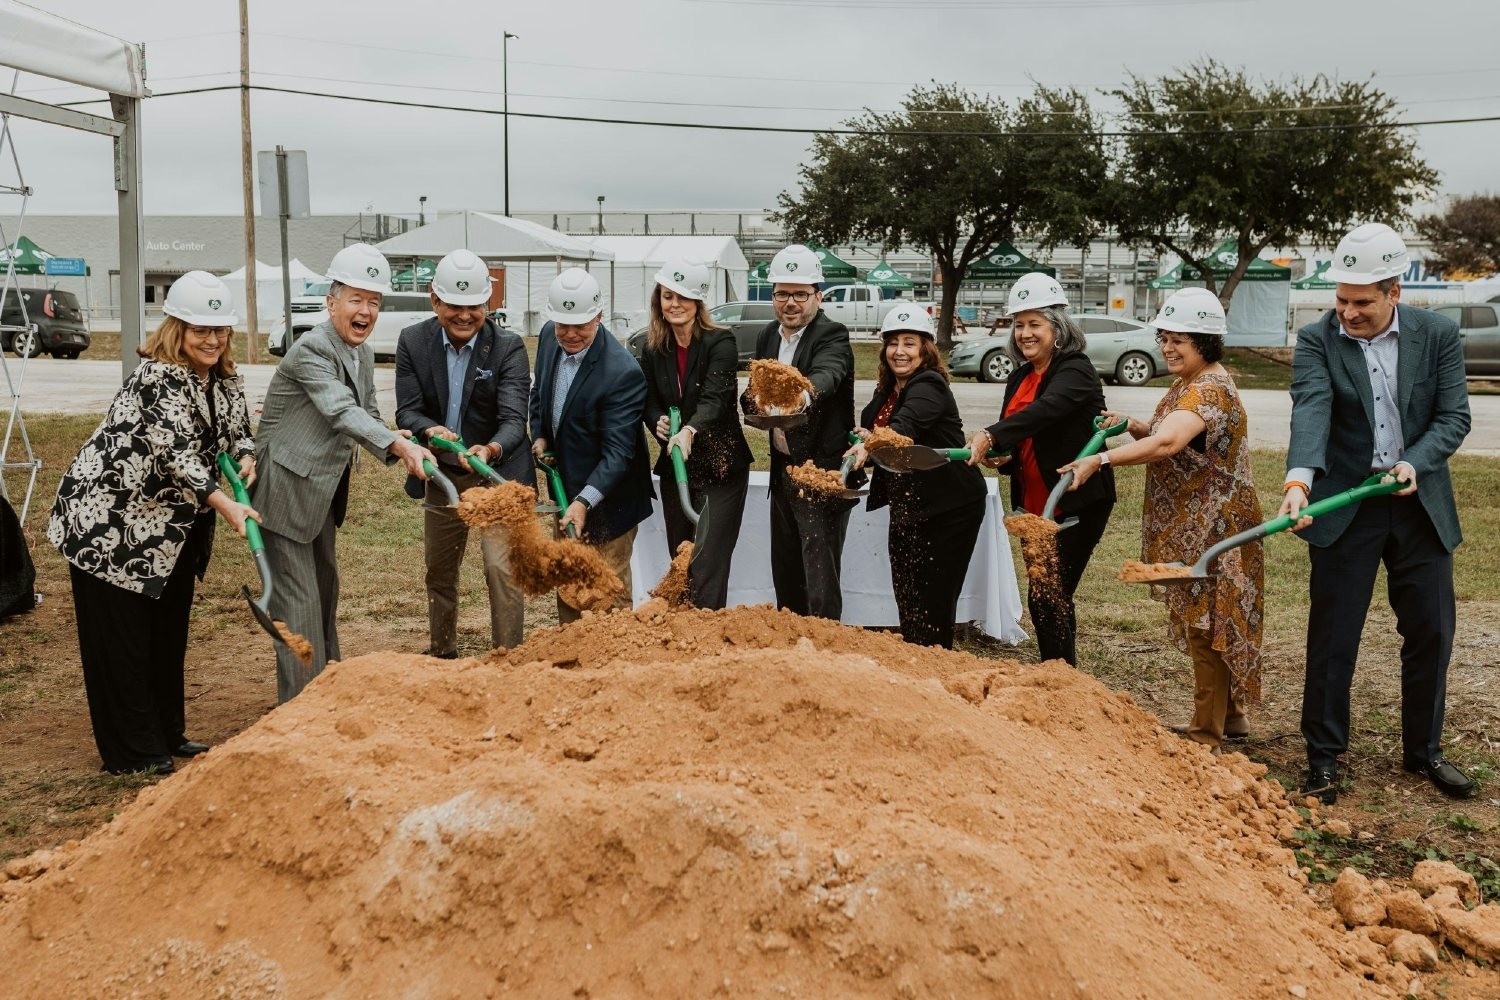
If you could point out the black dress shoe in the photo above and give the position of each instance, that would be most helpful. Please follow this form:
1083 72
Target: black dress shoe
1448 778
1322 784
439 656
156 765
190 749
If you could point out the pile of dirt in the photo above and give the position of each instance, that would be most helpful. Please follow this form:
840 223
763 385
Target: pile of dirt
884 437
658 803
814 482
1135 571
673 588
773 384
539 564
1038 537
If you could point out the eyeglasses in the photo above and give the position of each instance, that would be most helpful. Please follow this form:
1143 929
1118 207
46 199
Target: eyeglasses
210 332
797 297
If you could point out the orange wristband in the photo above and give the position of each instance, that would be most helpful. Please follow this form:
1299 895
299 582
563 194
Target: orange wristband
1295 482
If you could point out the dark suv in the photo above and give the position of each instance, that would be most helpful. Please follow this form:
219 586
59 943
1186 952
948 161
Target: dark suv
53 322
746 319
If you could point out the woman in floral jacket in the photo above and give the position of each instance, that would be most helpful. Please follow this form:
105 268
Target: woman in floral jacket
134 517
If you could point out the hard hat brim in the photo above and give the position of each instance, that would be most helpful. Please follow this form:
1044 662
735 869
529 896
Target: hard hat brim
1339 276
680 290
462 298
1030 306
573 319
217 319
365 285
1172 326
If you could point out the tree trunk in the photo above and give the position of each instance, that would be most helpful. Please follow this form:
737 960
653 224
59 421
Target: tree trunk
947 309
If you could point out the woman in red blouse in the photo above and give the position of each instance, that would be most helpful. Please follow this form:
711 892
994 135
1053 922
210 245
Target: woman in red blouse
1051 400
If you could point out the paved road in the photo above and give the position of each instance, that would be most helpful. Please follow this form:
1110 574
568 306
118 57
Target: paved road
87 386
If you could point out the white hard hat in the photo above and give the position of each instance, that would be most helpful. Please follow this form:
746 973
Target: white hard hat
1371 253
1192 310
795 265
688 278
573 297
360 265
908 318
461 279
1033 291
200 299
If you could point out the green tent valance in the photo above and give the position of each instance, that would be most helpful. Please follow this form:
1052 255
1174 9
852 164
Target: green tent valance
835 268
1315 280
758 275
1223 260
1005 263
424 271
882 275
29 258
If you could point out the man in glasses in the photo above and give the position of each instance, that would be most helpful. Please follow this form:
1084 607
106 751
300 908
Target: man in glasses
807 534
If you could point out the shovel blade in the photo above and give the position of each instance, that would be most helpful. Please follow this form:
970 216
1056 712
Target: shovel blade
913 458
767 421
261 615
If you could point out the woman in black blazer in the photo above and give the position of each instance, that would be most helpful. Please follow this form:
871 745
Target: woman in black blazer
134 517
935 515
692 364
1051 399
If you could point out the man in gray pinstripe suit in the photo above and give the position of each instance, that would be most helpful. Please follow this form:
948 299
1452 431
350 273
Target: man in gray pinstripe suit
321 399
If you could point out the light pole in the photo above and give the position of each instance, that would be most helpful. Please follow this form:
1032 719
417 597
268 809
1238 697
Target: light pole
601 215
505 38
422 210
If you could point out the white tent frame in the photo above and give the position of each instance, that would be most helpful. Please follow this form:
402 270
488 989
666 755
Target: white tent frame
35 41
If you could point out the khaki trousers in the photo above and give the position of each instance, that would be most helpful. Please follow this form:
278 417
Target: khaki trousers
616 553
1214 707
445 536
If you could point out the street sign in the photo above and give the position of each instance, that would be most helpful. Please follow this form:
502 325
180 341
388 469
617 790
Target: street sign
76 266
298 205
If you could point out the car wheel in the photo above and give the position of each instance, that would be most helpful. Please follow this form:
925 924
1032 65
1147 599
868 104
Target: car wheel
1134 368
26 345
996 367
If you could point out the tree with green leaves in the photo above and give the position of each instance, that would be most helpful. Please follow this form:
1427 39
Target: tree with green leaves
1466 238
1209 153
956 174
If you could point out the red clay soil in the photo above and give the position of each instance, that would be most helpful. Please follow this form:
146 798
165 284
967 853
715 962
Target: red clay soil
1135 571
1038 537
775 384
813 481
673 588
697 803
298 644
884 437
539 564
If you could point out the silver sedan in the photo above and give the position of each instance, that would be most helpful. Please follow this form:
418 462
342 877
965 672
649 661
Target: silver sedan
1123 350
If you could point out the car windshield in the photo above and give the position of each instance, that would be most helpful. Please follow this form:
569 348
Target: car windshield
317 288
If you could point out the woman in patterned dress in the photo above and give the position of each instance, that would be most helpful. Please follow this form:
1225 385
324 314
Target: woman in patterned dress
134 517
1198 490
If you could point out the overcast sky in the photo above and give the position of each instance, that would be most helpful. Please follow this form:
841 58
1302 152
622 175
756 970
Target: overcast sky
794 63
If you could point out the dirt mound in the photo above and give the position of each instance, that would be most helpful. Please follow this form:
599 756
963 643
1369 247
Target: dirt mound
741 803
775 384
814 482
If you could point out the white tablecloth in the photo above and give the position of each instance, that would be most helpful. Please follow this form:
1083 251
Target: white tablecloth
990 596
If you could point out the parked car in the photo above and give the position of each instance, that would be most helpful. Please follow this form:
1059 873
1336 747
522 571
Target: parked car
747 319
1123 350
52 322
398 311
1479 327
860 307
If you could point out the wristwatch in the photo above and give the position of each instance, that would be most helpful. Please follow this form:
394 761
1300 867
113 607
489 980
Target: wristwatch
583 500
1103 459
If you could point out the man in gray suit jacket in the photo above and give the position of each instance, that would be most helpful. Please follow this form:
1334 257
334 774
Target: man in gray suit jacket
458 375
321 399
1377 387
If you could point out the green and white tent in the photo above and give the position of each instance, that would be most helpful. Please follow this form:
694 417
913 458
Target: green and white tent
29 258
1258 311
882 275
835 268
1004 263
424 271
1316 279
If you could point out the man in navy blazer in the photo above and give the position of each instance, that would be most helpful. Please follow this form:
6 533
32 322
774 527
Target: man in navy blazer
458 375
1377 387
586 403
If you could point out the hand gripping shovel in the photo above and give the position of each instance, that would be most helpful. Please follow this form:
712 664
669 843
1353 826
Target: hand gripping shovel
679 472
478 465
1176 572
257 550
1101 434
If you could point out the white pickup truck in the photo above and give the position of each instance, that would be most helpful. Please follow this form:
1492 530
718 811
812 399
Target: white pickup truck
860 307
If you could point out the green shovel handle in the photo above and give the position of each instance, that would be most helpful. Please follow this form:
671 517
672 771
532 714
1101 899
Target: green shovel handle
556 488
964 454
241 495
674 424
457 447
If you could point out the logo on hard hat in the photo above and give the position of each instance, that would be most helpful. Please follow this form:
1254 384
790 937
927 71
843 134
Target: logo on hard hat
1169 310
214 303
703 288
903 317
373 272
791 265
1350 260
678 276
568 305
1023 293
1388 257
463 286
1203 314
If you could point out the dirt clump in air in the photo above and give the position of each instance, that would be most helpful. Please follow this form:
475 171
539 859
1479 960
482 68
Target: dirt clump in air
775 384
1038 537
539 564
296 642
695 803
675 584
814 482
1135 571
884 437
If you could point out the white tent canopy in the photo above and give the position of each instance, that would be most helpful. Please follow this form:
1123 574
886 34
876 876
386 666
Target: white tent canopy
42 43
493 237
268 295
636 261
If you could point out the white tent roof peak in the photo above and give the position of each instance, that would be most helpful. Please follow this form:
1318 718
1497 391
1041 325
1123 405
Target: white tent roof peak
48 45
494 237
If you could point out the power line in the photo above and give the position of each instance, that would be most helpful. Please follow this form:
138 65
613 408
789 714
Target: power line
927 133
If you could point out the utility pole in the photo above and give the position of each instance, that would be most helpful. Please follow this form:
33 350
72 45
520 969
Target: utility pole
252 321
505 38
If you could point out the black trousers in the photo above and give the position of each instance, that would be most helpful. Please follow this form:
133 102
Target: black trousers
1419 584
929 560
807 545
1054 616
133 648
708 576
